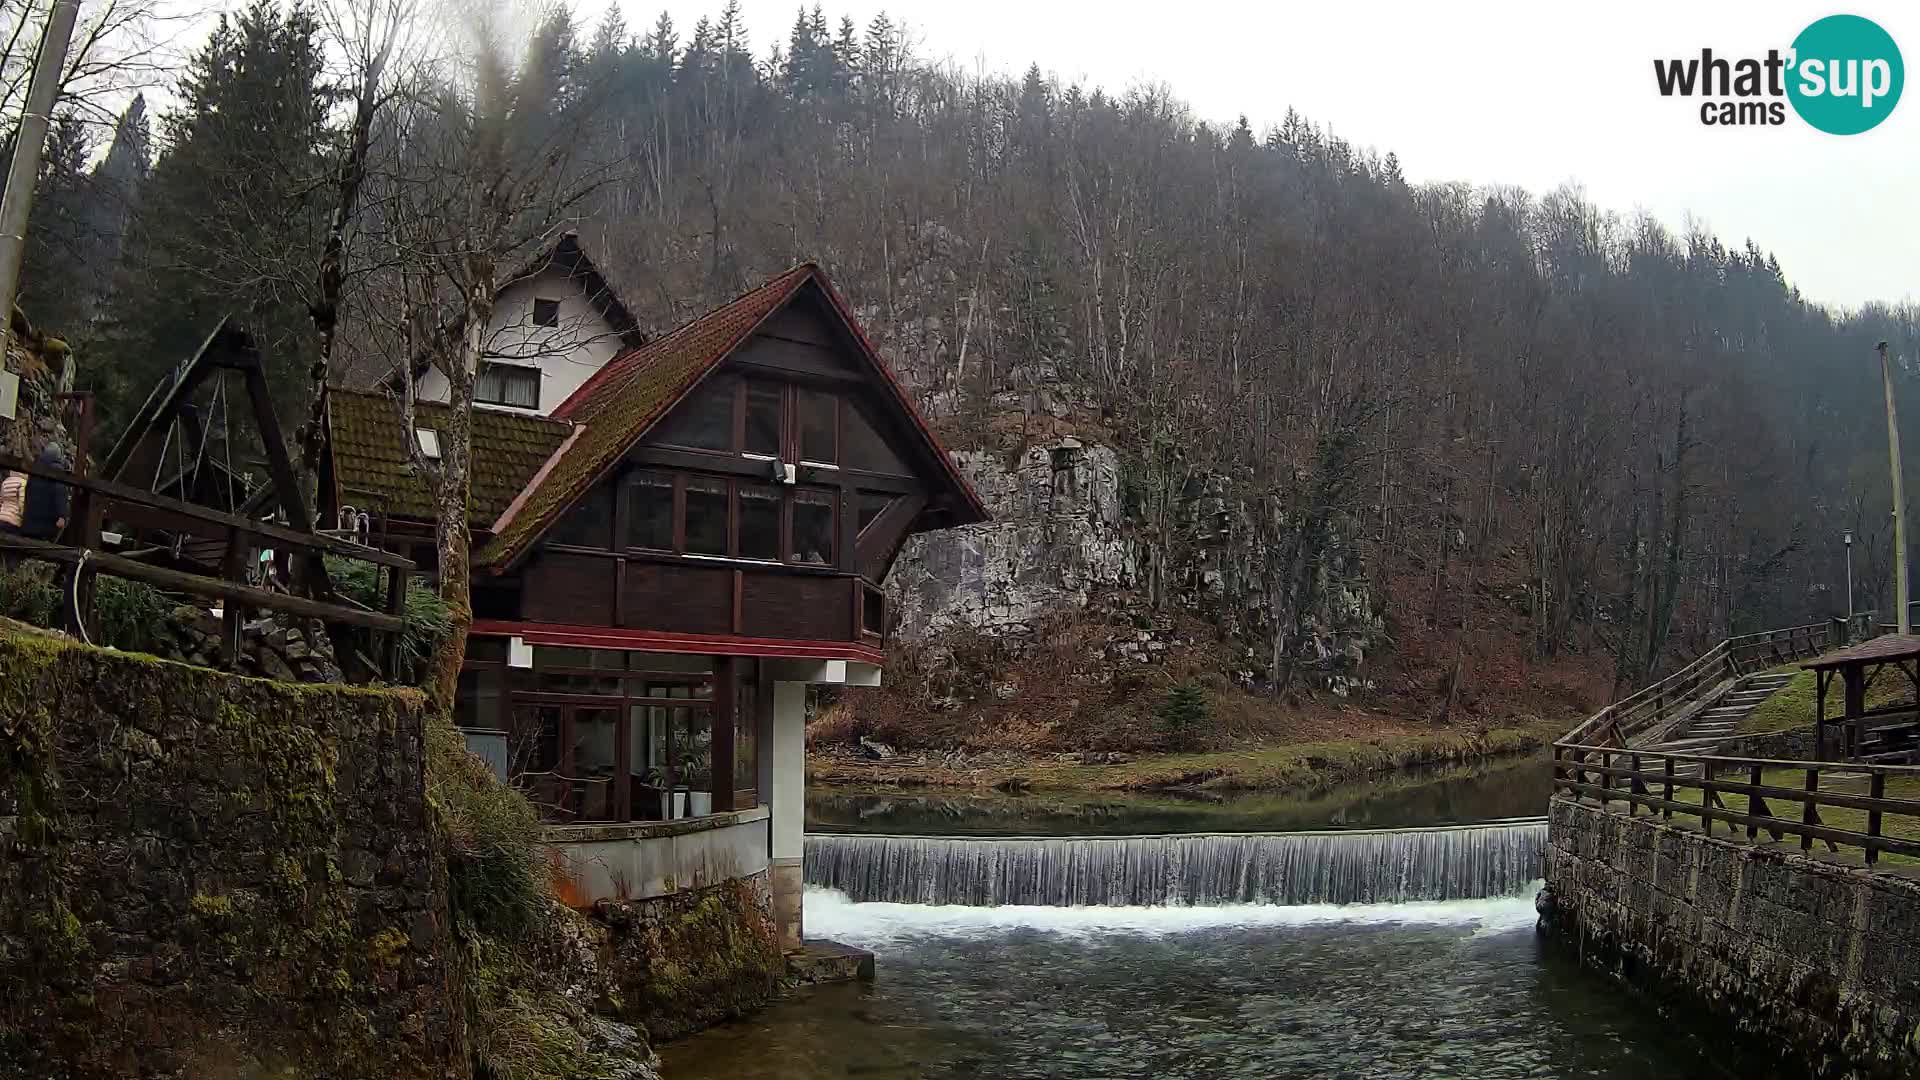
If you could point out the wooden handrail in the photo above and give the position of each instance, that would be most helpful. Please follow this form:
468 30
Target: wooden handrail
230 591
1575 767
1660 701
265 530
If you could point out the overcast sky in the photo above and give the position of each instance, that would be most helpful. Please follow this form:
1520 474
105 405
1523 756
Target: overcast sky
1534 94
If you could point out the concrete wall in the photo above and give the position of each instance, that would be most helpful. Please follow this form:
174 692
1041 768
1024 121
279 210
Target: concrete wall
645 859
565 354
1818 960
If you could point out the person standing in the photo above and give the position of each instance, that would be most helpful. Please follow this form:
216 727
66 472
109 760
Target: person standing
45 512
13 500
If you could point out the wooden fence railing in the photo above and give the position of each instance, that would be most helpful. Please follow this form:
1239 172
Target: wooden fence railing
1686 689
1659 781
81 547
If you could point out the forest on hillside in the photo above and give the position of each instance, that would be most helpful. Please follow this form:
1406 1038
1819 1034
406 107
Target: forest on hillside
1639 441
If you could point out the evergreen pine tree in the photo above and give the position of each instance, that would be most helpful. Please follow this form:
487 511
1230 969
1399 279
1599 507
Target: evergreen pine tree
57 266
231 220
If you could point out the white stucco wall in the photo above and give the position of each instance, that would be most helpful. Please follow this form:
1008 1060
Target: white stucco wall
646 859
565 354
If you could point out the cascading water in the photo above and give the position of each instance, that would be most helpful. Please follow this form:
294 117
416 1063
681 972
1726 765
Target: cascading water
1346 867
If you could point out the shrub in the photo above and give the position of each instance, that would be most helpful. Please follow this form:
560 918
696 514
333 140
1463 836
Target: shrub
496 868
29 593
1183 712
425 614
129 615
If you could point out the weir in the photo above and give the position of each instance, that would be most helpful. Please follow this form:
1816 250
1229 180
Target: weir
1462 862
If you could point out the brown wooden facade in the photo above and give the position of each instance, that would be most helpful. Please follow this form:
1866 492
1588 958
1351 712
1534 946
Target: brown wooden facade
746 519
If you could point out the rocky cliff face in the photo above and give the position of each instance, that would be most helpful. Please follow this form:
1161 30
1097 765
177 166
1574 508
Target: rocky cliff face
1066 543
1057 543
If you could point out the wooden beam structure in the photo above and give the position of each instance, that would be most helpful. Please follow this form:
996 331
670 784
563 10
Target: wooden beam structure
198 584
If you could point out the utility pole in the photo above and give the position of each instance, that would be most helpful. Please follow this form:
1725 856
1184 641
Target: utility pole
1899 498
17 204
1846 538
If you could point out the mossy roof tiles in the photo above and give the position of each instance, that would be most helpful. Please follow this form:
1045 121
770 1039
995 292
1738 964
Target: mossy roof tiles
372 469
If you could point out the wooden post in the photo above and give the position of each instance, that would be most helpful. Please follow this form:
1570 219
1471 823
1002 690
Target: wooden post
1901 590
83 529
1706 797
397 607
1876 789
1854 678
232 617
1808 815
726 697
1667 811
1820 714
1755 805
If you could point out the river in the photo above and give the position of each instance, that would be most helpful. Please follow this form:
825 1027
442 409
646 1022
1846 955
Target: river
1179 986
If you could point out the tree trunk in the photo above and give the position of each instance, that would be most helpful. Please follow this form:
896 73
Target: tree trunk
452 535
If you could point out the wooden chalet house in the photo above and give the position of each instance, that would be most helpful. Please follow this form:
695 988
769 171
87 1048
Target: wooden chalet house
668 547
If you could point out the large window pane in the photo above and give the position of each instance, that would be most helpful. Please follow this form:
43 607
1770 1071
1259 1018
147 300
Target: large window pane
866 449
746 746
693 759
507 384
589 523
705 421
764 400
813 526
649 498
872 503
479 700
593 763
817 440
706 516
759 522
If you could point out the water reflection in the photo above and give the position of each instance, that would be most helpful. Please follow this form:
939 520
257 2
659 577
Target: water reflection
1413 797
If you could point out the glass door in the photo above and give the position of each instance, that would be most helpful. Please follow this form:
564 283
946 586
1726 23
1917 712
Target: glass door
593 734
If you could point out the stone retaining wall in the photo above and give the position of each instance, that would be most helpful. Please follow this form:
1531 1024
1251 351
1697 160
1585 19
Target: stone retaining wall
203 875
1819 960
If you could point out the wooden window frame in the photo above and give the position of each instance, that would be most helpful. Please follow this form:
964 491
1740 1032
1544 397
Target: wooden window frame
522 369
521 688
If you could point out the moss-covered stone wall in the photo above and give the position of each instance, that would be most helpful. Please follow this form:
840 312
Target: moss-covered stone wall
203 875
693 959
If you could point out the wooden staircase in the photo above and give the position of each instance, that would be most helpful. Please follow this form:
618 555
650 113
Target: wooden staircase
1720 721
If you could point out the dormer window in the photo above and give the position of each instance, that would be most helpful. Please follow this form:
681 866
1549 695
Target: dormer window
546 312
512 385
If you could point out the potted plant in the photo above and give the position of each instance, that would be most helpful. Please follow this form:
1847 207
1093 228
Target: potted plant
699 792
655 780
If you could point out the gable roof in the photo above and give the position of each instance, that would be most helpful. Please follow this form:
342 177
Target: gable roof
566 254
371 468
624 399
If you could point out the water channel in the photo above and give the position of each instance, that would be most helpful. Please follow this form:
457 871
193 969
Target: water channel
1424 965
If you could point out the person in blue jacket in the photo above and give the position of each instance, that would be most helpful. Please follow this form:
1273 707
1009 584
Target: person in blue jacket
47 500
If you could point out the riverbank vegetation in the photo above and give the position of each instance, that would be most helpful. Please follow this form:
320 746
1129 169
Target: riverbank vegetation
1294 766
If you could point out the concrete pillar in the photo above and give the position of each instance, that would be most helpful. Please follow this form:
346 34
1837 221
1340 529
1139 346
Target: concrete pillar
788 752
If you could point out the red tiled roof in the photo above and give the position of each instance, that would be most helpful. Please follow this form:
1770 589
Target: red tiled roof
617 405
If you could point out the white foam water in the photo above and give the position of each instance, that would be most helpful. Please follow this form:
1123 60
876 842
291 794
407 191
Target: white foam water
830 914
